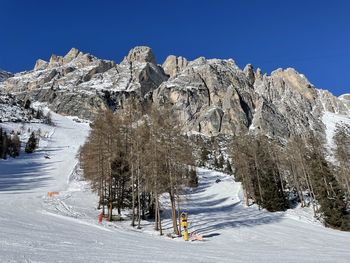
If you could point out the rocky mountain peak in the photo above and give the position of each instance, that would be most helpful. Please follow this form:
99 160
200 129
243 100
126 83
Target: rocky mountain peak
173 65
55 61
40 64
345 97
210 96
258 74
72 54
249 72
141 54
4 75
293 79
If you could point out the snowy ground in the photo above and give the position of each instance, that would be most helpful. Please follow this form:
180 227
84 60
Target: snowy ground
35 228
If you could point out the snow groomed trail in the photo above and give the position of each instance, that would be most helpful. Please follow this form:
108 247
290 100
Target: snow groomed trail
36 228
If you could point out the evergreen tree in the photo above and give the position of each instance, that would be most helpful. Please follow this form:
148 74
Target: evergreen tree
14 146
258 172
2 145
31 143
342 153
327 189
221 162
204 154
4 141
228 167
216 162
271 195
192 178
48 119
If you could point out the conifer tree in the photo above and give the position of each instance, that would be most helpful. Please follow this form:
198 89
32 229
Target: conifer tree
342 154
31 143
330 195
228 167
14 146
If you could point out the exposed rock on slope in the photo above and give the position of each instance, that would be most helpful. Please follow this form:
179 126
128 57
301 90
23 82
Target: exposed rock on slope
345 98
14 110
214 96
4 75
210 96
173 65
80 84
287 104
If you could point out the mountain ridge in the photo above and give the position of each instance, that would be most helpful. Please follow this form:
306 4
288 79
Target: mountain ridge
209 96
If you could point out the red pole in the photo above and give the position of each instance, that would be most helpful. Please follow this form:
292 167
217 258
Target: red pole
100 217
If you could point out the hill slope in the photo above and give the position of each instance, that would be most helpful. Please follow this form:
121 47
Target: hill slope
35 228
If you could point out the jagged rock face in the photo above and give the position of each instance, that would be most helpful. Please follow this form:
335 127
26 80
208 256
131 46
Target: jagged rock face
209 96
333 104
287 104
80 84
346 100
14 110
141 54
215 96
173 65
4 75
249 73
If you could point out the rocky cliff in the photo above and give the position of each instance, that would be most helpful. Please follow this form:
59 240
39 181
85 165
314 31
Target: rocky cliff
4 75
80 84
209 96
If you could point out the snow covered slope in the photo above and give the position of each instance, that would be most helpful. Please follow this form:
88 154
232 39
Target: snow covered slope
35 228
331 120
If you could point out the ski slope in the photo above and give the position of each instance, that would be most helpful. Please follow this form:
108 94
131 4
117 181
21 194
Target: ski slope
64 228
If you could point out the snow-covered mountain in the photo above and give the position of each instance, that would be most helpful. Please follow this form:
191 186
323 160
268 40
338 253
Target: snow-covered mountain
210 96
4 75
13 110
80 84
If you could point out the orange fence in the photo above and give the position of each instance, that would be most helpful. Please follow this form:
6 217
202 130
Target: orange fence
52 194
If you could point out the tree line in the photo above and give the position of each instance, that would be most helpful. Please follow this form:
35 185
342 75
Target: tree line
10 144
278 175
135 156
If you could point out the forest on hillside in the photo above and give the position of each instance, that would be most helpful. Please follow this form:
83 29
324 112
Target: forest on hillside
134 156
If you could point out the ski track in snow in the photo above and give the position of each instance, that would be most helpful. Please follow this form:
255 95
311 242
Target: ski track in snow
64 228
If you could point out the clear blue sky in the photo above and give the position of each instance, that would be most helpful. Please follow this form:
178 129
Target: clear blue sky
311 36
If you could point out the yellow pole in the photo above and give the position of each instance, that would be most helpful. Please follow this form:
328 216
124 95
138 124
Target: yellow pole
184 225
185 234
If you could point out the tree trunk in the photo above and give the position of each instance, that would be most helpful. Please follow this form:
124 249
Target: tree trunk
173 213
138 199
156 214
133 196
159 219
178 211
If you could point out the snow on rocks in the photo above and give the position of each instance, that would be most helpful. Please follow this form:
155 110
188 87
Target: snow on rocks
331 120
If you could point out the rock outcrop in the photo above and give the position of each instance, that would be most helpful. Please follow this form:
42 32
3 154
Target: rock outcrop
141 54
209 96
345 98
15 110
80 84
4 75
173 65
